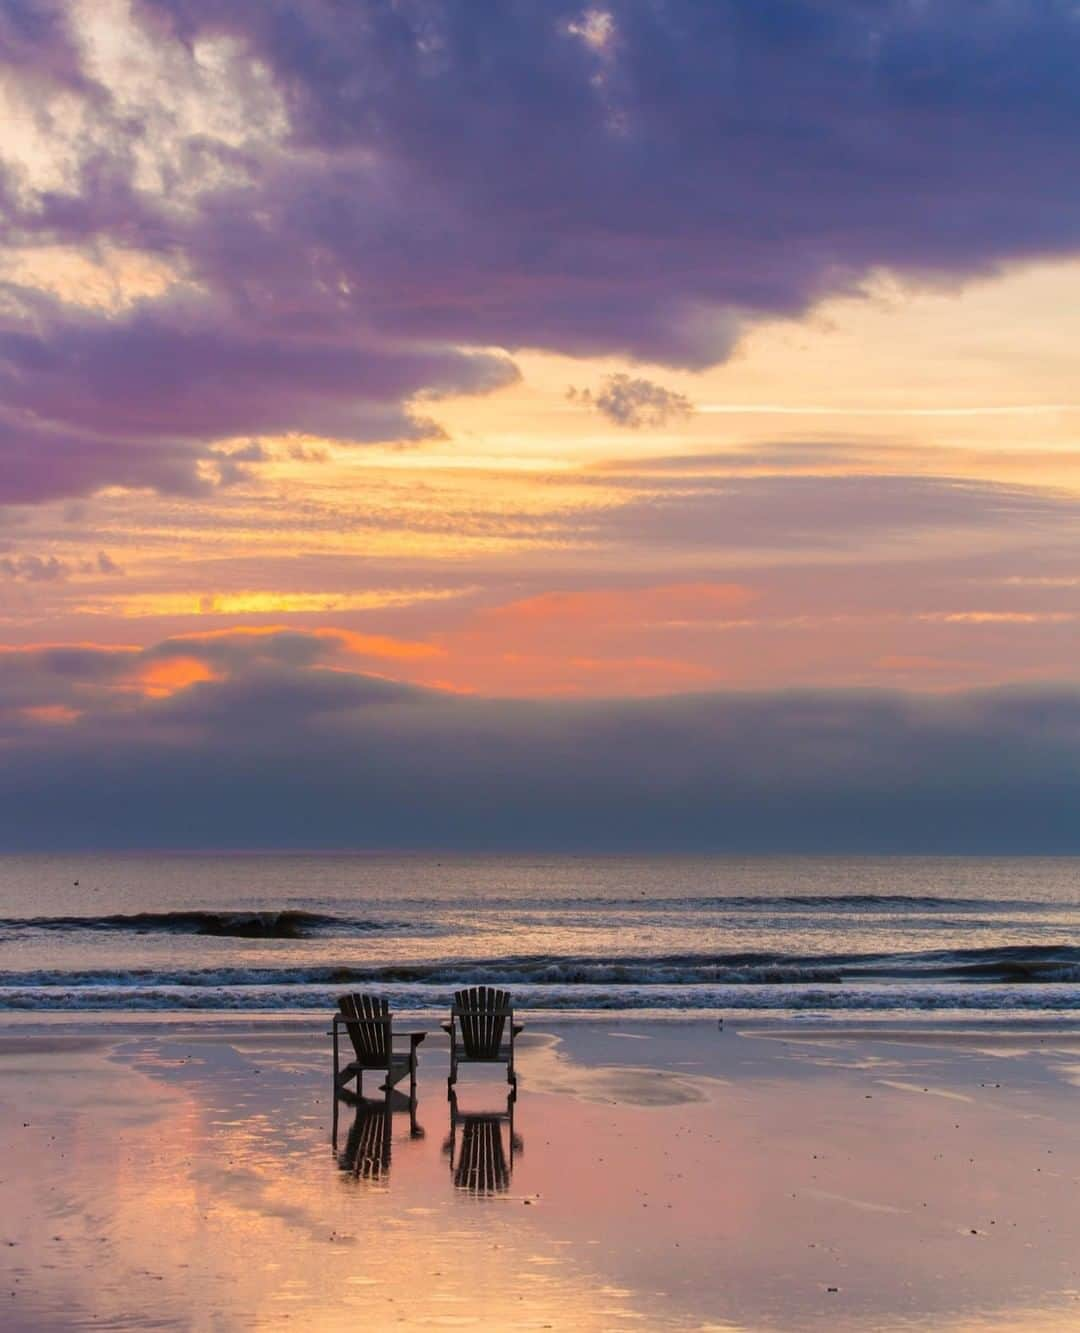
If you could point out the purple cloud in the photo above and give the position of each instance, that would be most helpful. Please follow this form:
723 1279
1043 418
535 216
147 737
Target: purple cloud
393 184
634 402
521 185
34 568
792 511
88 400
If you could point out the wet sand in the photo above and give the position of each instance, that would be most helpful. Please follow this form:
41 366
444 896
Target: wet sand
655 1175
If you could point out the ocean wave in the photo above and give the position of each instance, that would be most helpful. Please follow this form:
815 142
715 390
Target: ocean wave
1015 965
766 902
728 999
434 917
286 925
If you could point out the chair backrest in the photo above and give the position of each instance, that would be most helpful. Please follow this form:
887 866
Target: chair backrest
481 1025
367 1021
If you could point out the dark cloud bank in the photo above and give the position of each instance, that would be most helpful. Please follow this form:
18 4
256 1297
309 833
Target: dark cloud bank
282 751
637 179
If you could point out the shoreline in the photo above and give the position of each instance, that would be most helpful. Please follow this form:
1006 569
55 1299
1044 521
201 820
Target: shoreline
924 1024
661 1173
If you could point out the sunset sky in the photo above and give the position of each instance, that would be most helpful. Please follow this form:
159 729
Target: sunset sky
482 424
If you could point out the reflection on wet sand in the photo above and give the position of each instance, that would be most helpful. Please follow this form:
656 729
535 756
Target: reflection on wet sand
184 1180
479 1163
369 1142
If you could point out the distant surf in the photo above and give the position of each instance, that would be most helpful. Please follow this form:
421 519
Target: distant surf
772 935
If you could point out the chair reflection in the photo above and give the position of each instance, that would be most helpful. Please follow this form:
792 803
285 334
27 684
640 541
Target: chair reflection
480 1164
368 1144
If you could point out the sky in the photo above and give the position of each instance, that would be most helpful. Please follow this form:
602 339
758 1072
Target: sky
650 426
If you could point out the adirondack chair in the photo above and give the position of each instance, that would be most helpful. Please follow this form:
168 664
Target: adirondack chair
482 1166
477 1026
368 1024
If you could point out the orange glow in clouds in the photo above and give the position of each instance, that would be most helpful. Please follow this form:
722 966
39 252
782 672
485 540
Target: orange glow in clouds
161 679
666 604
590 641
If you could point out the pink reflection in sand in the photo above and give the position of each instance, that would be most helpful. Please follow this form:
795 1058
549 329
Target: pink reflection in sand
684 1179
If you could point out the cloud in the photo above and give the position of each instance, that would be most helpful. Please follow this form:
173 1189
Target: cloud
30 568
270 740
793 512
34 568
90 400
796 456
595 607
40 461
635 402
98 683
613 640
346 207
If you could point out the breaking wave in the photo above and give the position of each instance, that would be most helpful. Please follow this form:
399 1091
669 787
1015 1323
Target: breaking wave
729 999
1024 975
284 925
1005 965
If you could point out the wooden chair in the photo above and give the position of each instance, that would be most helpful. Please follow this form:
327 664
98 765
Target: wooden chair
478 1022
367 1021
482 1166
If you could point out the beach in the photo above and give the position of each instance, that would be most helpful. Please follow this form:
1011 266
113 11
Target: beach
553 528
174 1173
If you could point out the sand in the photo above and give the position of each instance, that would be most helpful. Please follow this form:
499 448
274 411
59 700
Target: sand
179 1175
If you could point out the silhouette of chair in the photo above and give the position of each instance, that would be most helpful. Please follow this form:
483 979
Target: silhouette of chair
477 1026
369 1025
480 1165
366 1154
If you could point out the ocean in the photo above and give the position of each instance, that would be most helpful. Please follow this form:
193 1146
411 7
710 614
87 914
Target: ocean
783 936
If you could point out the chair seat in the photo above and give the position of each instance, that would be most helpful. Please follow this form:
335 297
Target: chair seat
496 1057
399 1059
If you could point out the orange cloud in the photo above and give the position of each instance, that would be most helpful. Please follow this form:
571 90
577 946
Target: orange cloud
669 603
66 645
54 714
381 645
362 645
626 641
168 676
